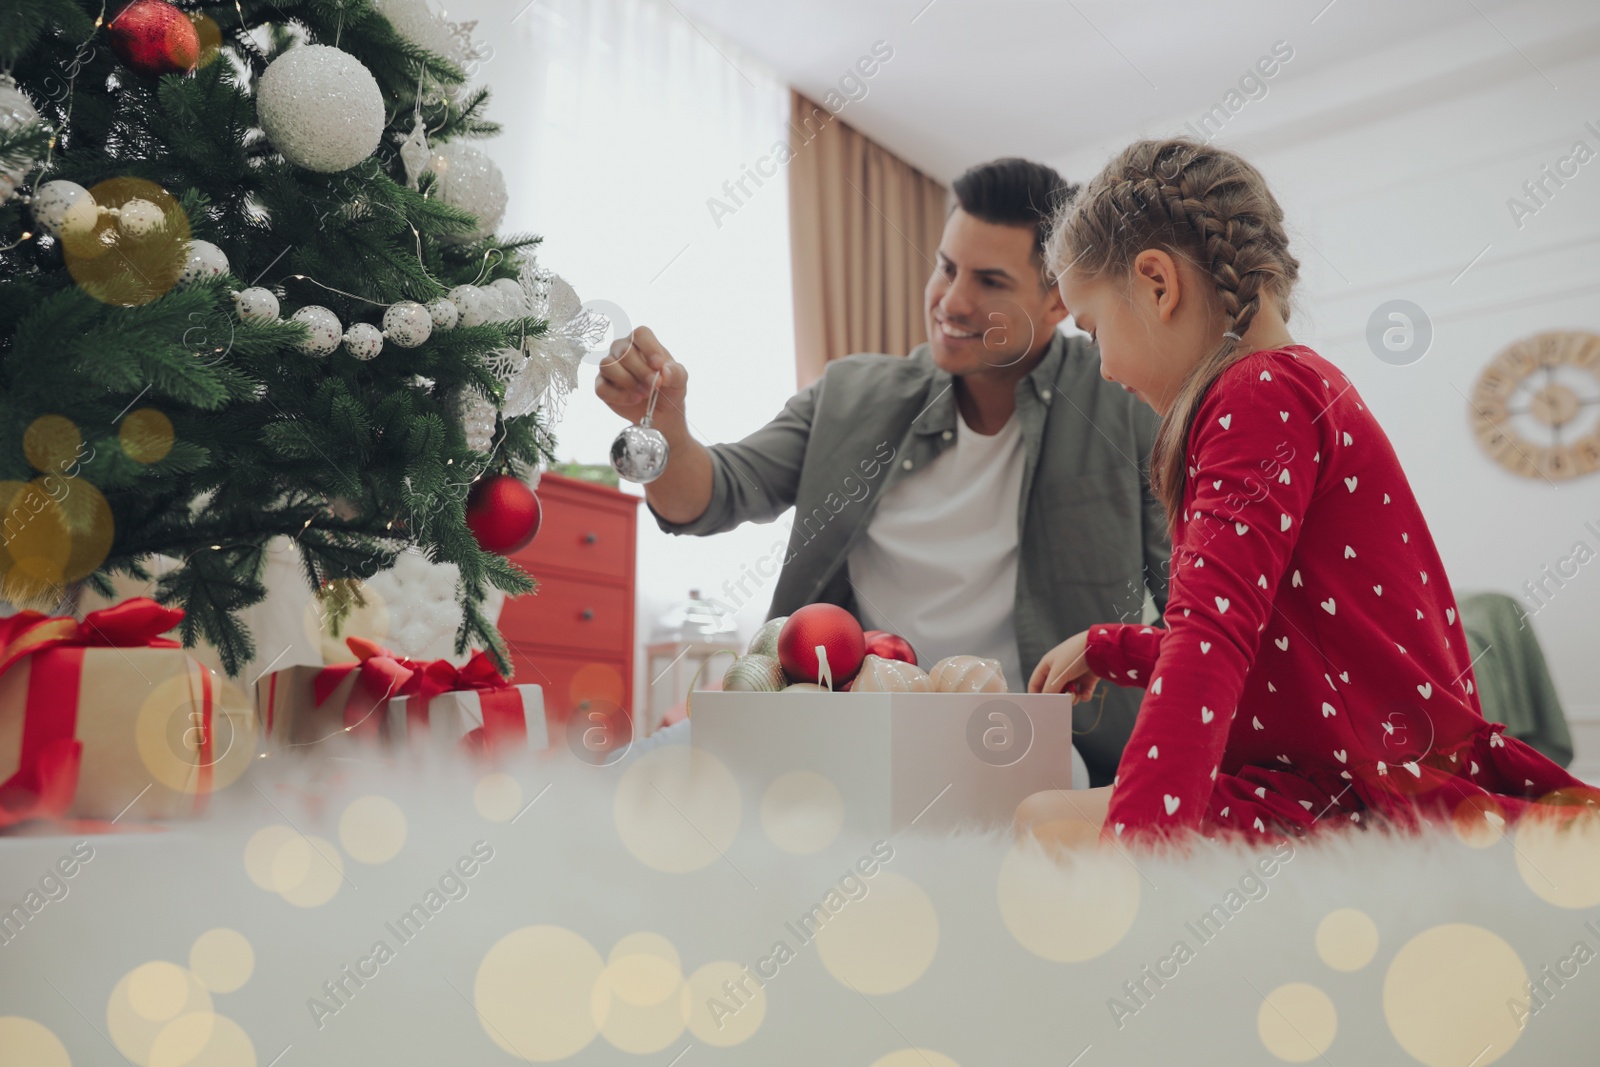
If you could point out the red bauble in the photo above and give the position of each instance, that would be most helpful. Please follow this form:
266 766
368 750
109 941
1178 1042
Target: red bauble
886 645
502 513
830 626
154 38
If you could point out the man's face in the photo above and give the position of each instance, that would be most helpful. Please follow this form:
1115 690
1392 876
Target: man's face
986 303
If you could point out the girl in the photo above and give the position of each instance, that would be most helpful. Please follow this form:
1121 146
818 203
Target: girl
1311 667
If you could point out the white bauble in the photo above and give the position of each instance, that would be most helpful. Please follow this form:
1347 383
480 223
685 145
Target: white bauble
421 613
320 107
256 304
444 313
363 340
417 22
140 218
206 261
469 180
407 324
512 298
473 305
65 208
879 675
477 415
323 332
968 674
16 112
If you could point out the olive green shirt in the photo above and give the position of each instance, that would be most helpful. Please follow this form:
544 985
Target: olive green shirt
1091 538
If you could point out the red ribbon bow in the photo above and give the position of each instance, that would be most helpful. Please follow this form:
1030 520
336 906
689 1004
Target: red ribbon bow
385 675
47 768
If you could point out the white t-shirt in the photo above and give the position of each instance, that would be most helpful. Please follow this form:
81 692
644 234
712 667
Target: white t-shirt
938 562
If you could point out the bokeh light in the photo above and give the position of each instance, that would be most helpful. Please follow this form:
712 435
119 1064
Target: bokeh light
497 796
884 941
677 809
222 960
25 1043
1067 911
802 812
1347 939
145 1000
122 270
1297 1022
915 1057
1446 992
1559 857
533 993
146 435
52 443
708 1004
372 829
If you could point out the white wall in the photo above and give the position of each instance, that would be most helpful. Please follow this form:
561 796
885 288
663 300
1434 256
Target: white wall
1394 171
621 120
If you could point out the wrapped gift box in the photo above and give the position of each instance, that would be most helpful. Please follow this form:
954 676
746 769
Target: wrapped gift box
943 760
453 715
286 704
159 730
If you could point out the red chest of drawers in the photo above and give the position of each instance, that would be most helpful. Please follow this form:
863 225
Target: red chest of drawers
574 634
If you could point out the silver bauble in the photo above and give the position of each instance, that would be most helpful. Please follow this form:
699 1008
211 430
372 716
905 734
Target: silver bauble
206 261
323 332
320 108
765 642
471 303
468 179
407 323
140 218
256 304
65 208
363 341
640 453
754 674
444 313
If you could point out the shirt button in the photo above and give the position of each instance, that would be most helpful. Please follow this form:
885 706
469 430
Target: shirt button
906 464
1045 396
948 434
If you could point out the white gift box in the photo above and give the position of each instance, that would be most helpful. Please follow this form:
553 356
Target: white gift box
939 760
454 714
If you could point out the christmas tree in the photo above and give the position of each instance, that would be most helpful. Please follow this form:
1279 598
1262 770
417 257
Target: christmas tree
249 288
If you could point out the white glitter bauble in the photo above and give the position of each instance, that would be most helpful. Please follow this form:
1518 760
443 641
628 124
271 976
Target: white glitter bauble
363 340
65 208
417 22
140 218
514 300
256 304
473 305
444 313
16 112
323 332
205 261
320 107
469 180
407 324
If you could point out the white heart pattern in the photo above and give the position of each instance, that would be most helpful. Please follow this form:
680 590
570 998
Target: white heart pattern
1205 646
1450 616
1295 581
1284 477
1256 723
1222 603
1328 710
1348 439
1378 589
1271 688
1152 753
1217 484
1119 827
1226 420
1206 714
1426 689
1133 674
1155 686
1350 484
1262 581
1282 643
1284 415
1328 605
1344 676
1424 577
1340 754
1349 552
1171 802
1242 528
1258 825
1266 376
1284 522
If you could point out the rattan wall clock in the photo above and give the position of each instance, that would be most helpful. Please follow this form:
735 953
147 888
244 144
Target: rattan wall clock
1536 406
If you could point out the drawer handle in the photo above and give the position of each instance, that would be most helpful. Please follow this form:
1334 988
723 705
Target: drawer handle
591 538
588 613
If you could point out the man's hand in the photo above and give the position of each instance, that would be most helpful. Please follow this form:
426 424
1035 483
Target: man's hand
625 376
1065 669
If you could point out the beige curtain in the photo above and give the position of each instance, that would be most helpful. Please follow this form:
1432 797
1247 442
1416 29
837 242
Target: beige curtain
864 226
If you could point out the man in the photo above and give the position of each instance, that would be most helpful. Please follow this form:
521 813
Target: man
986 494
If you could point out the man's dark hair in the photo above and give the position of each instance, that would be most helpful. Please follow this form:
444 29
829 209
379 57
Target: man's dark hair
1014 192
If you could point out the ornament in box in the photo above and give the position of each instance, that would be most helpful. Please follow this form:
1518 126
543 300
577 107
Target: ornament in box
821 643
765 641
889 646
968 674
754 673
879 675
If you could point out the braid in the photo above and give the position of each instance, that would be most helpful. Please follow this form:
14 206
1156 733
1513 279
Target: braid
1202 203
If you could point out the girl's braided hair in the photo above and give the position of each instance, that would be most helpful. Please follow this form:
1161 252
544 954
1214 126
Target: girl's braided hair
1202 203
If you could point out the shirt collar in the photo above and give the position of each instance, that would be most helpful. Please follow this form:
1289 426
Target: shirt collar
940 413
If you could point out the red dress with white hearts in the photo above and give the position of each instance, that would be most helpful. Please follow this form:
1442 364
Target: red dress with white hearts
1311 666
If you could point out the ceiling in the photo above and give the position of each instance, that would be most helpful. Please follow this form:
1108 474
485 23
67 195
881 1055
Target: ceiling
970 80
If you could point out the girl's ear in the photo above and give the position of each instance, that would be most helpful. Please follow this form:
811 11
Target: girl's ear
1055 308
1159 287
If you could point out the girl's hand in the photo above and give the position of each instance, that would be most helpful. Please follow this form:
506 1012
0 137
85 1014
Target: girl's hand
1065 669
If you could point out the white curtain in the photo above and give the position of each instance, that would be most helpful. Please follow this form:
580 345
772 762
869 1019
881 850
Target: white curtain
622 122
